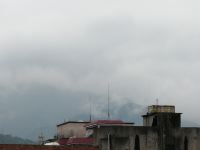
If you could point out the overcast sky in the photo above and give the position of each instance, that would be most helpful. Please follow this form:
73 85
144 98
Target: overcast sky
54 54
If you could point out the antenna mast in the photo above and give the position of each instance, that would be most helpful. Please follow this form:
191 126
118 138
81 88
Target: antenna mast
90 108
108 101
41 138
157 101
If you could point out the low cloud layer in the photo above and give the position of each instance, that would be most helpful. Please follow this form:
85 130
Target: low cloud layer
56 54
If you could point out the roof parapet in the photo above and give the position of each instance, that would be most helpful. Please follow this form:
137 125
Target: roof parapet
161 109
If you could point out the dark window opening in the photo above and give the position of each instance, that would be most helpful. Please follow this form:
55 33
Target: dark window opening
185 143
169 147
137 143
155 122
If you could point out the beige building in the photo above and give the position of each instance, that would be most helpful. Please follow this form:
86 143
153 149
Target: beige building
71 129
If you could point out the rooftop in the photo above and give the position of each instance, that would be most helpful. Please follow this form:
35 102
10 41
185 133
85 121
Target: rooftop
78 122
161 109
108 123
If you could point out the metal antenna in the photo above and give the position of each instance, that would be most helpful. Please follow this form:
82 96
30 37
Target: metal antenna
90 108
108 101
156 101
41 138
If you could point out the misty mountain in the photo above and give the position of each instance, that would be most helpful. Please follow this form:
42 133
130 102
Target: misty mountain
130 112
9 139
46 107
127 111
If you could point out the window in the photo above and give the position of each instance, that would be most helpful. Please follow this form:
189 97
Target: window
169 147
137 143
185 143
155 122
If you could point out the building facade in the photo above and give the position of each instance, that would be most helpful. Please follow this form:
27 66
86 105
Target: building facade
161 130
71 129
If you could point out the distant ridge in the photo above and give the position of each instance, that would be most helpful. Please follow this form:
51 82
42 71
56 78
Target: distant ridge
9 139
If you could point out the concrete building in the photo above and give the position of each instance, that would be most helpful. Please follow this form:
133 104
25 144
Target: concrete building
161 130
71 129
75 133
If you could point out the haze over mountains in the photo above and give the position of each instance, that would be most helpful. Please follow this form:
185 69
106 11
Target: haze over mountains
55 54
59 106
9 139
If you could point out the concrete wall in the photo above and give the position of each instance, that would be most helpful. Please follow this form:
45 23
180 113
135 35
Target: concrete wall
39 147
71 129
191 134
147 121
123 138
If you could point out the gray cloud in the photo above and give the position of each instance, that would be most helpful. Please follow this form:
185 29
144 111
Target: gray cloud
55 54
